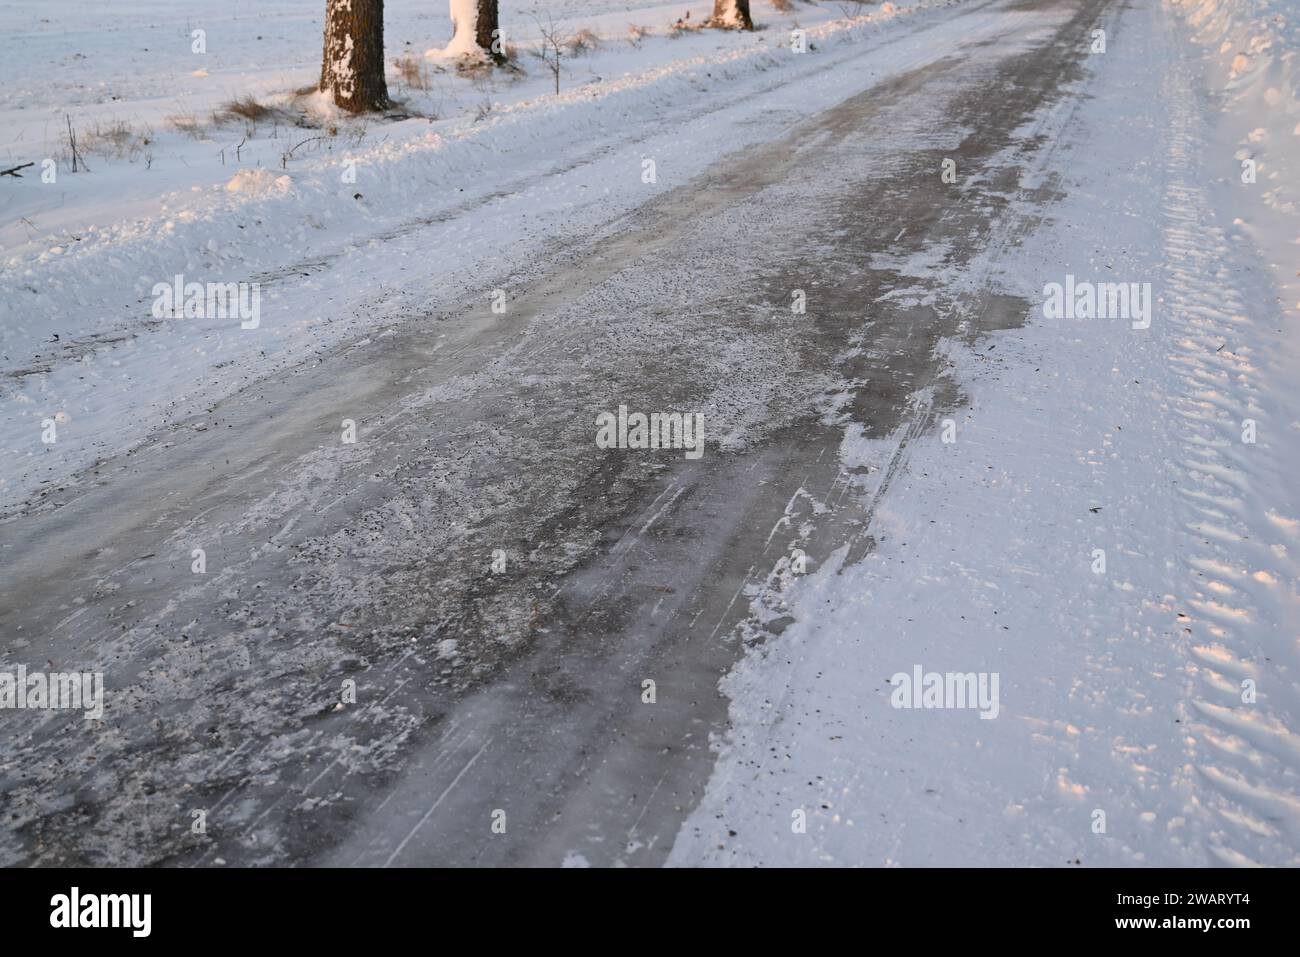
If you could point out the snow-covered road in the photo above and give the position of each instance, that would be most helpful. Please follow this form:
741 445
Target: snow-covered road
919 469
1112 533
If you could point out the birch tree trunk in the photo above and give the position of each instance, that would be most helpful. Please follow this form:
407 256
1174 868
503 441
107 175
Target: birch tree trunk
352 70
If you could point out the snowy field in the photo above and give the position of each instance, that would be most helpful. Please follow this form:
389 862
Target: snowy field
1101 515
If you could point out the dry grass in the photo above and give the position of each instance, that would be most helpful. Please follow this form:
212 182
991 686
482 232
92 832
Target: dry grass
479 69
635 34
685 26
474 67
252 112
581 43
414 72
116 140
187 123
248 108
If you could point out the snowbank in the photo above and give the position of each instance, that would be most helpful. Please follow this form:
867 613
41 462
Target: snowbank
1252 48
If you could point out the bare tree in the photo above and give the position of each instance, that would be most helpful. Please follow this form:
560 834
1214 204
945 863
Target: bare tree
731 14
476 27
352 70
551 48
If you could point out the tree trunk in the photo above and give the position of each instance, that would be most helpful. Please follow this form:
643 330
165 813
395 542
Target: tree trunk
733 14
352 70
474 22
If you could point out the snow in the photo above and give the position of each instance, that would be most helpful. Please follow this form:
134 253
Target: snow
258 183
1251 48
1124 682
